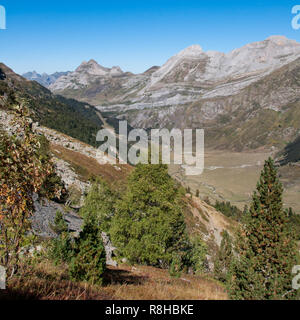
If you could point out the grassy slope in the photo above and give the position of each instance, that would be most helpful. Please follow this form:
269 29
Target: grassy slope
86 167
44 281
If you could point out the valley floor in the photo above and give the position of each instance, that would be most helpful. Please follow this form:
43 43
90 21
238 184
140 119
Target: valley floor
232 176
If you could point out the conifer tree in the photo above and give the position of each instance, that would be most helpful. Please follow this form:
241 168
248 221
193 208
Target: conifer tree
99 205
224 258
148 226
89 261
266 246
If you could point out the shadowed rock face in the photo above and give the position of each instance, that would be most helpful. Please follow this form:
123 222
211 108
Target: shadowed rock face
2 75
44 216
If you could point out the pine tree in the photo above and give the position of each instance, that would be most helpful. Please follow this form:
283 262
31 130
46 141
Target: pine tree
224 258
99 205
61 247
89 261
148 226
265 245
60 226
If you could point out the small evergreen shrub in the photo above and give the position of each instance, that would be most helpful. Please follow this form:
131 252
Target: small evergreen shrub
176 266
198 254
61 248
229 210
89 260
99 205
223 258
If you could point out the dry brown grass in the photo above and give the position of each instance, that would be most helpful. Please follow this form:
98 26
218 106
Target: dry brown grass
45 281
148 283
48 282
86 166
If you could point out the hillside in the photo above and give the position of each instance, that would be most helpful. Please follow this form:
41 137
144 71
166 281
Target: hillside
76 119
75 163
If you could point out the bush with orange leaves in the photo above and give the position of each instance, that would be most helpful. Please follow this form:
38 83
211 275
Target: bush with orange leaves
22 172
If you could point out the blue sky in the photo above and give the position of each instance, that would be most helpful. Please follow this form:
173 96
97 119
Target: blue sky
49 36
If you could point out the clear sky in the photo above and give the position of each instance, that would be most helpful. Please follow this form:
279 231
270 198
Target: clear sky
49 36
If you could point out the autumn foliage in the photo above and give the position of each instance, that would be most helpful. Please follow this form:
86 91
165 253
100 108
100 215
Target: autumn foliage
23 171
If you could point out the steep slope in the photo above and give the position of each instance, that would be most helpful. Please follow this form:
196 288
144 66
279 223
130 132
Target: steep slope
44 79
68 116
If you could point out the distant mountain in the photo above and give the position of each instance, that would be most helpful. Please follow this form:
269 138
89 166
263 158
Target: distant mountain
96 84
44 79
76 119
245 99
85 74
186 77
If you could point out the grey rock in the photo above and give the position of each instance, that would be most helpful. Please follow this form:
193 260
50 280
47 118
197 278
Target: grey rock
30 250
44 216
109 249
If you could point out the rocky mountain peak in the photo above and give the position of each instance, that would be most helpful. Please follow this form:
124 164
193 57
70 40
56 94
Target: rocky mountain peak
192 51
281 40
92 67
115 71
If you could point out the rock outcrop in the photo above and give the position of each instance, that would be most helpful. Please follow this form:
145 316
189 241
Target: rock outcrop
109 250
44 216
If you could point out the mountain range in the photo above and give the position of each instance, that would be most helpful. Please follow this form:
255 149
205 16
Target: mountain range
44 79
245 99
